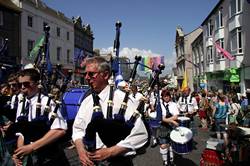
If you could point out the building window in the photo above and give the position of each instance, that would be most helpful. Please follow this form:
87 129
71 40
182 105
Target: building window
221 44
30 21
235 7
30 46
67 35
1 17
218 19
58 31
236 41
210 58
209 28
58 53
68 56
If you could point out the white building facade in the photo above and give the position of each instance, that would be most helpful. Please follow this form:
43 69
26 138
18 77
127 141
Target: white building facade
228 26
35 15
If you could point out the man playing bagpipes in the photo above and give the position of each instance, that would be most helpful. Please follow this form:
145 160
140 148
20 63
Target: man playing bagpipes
97 74
37 127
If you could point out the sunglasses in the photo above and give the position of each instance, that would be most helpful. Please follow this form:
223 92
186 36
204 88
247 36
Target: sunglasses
90 74
24 84
13 85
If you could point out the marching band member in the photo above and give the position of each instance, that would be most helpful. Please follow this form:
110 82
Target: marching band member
135 95
187 104
15 91
44 150
97 73
169 120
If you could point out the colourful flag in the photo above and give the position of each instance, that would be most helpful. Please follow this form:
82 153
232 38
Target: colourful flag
185 81
146 63
36 48
224 52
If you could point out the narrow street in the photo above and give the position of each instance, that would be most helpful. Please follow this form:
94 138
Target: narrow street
152 156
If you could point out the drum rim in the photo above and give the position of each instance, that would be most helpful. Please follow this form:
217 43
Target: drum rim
184 118
180 142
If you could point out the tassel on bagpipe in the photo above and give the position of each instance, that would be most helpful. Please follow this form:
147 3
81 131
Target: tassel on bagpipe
117 127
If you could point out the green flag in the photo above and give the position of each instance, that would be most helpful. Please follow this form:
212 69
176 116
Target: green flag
36 48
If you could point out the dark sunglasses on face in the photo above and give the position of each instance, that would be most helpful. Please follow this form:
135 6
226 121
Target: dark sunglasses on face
13 85
90 74
24 84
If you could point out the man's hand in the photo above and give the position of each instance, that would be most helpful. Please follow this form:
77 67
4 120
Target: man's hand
82 153
101 154
85 159
17 160
23 150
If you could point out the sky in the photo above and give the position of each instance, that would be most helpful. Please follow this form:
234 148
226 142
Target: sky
148 26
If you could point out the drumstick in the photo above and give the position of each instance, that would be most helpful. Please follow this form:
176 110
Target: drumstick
180 131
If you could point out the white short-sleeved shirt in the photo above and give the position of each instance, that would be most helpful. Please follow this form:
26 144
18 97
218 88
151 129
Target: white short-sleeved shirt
185 105
172 106
136 98
59 122
136 139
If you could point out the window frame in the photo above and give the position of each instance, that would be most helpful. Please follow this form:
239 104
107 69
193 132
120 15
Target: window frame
210 58
221 43
236 41
58 31
68 56
30 21
30 45
237 4
219 19
58 53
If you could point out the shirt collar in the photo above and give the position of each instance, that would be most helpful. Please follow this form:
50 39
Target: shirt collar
104 93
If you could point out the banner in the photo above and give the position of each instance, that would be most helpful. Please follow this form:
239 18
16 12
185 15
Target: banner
184 82
36 48
224 52
151 62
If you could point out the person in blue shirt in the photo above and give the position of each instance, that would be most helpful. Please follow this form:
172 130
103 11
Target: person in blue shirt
221 108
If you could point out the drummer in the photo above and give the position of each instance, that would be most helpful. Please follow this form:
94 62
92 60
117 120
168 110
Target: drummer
169 120
187 104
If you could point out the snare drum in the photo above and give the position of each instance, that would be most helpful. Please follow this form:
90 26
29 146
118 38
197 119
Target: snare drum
181 140
184 121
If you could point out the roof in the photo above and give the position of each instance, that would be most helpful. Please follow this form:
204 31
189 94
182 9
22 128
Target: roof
212 12
10 5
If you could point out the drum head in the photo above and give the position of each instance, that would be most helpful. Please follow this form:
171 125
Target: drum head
181 135
183 118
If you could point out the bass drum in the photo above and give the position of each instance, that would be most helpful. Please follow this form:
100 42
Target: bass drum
71 102
182 140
